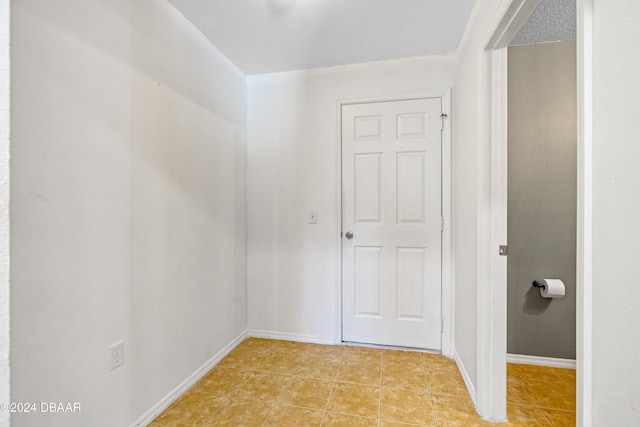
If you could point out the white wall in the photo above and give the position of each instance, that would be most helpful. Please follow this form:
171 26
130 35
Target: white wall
293 167
128 205
472 176
480 301
4 208
616 222
465 212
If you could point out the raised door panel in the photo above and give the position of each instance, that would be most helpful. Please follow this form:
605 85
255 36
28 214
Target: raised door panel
410 187
411 125
367 128
367 280
410 280
368 187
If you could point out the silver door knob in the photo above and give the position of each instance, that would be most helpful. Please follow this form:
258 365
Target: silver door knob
348 235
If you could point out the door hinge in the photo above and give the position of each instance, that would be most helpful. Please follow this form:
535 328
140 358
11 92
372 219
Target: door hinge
441 325
441 224
504 250
443 116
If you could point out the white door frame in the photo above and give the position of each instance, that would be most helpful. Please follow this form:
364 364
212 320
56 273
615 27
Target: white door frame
492 322
5 133
584 246
447 207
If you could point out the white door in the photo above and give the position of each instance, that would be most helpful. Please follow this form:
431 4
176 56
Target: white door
391 223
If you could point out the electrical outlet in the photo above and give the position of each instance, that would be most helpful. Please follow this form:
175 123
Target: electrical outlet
116 355
313 217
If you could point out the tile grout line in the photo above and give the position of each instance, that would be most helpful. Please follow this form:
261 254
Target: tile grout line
536 404
220 408
289 381
544 414
230 395
223 404
333 386
434 414
380 396
254 370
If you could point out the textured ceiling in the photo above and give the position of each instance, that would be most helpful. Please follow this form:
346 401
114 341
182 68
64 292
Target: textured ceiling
264 36
553 20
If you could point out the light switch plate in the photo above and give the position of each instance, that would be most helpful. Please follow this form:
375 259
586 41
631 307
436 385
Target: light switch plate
313 217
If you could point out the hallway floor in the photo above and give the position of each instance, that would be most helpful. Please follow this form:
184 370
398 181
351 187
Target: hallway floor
282 383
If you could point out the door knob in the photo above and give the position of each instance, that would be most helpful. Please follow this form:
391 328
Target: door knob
349 235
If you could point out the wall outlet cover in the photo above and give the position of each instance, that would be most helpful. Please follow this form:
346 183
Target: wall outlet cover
116 355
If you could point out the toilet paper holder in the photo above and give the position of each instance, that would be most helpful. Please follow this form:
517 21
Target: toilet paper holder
550 288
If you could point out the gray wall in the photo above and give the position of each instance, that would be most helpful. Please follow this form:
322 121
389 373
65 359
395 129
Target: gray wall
542 198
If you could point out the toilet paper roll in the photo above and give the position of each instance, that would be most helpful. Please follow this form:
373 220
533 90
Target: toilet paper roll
551 288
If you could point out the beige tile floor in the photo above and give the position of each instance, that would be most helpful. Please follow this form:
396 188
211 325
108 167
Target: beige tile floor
282 383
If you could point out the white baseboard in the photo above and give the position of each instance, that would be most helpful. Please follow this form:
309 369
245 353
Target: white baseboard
286 336
551 362
465 376
163 404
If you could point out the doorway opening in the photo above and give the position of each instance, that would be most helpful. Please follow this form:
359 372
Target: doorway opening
492 386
